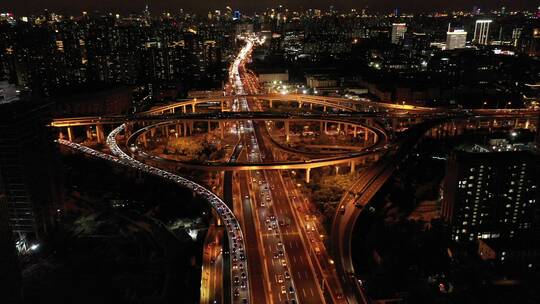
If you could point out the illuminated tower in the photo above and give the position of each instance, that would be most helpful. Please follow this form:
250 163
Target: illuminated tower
481 31
456 39
398 32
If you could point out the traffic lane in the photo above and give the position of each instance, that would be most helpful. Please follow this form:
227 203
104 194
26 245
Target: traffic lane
270 239
256 265
323 257
300 268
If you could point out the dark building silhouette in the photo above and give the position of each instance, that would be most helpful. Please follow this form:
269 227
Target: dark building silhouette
27 169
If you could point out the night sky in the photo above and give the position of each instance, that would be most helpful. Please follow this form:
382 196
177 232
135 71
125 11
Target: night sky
74 7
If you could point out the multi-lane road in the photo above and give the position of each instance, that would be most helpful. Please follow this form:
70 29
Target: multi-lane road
264 221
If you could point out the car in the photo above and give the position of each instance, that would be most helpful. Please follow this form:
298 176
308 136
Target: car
287 275
291 289
236 280
280 253
236 293
280 278
283 263
246 196
283 289
276 255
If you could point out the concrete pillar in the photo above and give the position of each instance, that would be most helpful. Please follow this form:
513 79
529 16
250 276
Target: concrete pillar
366 136
193 108
185 129
355 131
353 167
183 109
270 103
144 140
325 127
337 170
287 133
177 128
222 129
70 133
88 133
300 104
99 133
311 106
152 132
324 109
308 175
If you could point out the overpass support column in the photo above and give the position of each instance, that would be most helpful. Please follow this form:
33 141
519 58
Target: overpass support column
209 126
311 106
300 104
325 127
353 167
185 129
143 138
516 123
70 133
99 133
324 109
270 103
355 131
177 129
88 133
173 110
366 136
183 109
287 133
222 129
308 170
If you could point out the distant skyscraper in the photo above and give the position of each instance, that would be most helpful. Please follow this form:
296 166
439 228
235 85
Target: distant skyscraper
456 39
491 195
398 32
481 31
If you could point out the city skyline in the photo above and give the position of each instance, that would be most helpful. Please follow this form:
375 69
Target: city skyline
157 6
286 157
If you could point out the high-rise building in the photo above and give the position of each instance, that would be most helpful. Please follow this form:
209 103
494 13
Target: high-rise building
27 168
10 279
491 195
481 31
398 32
456 39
